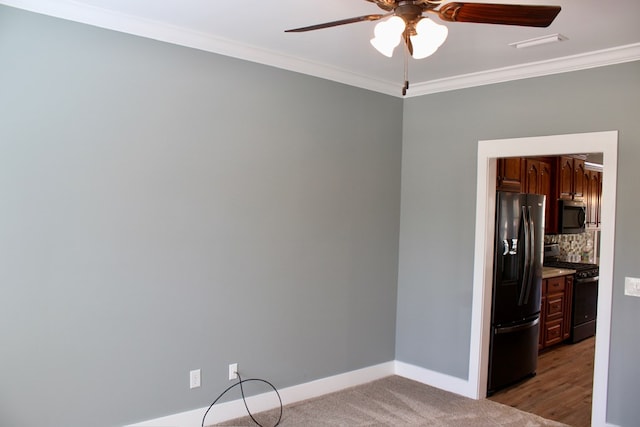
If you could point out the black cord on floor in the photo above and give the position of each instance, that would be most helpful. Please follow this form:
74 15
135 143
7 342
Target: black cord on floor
244 400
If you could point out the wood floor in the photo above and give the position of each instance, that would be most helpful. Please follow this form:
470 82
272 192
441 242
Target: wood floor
562 388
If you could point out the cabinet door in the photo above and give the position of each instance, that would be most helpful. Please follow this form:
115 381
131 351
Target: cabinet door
532 176
537 180
579 178
554 310
565 178
589 197
510 174
596 182
593 196
544 184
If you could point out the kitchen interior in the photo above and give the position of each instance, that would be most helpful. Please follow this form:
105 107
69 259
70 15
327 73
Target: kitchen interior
545 283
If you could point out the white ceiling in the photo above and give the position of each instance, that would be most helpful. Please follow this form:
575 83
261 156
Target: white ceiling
598 32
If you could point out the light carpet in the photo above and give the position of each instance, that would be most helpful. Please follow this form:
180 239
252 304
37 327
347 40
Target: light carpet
396 401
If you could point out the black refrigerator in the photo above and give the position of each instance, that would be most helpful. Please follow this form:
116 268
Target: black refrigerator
517 282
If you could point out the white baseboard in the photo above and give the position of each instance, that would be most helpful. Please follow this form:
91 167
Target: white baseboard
435 379
262 402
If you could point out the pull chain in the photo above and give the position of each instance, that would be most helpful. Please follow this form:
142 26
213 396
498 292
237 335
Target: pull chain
406 69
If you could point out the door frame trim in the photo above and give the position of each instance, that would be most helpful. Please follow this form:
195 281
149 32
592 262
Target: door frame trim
488 152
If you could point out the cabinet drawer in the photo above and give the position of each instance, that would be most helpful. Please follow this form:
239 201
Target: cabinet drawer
555 305
555 285
553 332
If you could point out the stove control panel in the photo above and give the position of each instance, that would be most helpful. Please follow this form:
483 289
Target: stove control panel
586 274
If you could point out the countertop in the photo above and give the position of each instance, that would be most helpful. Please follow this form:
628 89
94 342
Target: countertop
548 272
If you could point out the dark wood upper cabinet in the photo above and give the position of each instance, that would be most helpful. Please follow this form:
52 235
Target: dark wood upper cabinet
510 172
599 199
579 182
537 176
563 177
538 180
593 196
532 176
571 178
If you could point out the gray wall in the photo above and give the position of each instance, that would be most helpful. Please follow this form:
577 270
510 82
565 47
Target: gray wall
438 209
165 209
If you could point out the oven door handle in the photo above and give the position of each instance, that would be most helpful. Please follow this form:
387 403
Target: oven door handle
588 280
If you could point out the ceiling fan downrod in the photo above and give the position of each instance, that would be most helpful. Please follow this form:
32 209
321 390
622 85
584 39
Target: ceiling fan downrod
405 86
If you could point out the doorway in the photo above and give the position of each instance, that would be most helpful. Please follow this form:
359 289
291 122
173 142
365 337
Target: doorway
488 152
562 388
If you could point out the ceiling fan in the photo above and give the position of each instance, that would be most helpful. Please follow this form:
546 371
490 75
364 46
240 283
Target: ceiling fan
422 36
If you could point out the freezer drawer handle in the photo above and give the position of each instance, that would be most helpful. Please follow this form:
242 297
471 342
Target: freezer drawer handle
510 329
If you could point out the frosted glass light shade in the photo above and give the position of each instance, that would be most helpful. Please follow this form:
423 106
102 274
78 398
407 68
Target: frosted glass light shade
428 39
388 35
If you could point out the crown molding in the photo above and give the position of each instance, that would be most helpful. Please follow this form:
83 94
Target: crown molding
108 19
599 58
103 18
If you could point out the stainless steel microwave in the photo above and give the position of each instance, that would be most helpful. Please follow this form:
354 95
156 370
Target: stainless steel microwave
572 216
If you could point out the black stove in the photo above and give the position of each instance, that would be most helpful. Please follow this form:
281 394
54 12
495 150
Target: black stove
583 270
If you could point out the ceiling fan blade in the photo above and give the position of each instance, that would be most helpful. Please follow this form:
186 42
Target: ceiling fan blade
385 4
504 14
336 23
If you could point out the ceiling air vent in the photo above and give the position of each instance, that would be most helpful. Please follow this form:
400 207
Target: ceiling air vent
553 38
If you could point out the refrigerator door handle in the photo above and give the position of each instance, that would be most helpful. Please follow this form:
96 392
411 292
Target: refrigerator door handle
532 250
505 243
527 256
516 328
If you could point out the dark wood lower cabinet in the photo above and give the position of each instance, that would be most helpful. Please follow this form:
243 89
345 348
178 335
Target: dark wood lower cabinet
555 312
552 332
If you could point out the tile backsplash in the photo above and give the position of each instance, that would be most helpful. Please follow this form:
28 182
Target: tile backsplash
572 246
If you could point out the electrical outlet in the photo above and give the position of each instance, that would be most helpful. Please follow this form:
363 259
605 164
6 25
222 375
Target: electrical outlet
632 286
233 371
194 378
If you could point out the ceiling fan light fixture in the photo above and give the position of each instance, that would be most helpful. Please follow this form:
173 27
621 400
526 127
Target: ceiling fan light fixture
384 46
422 37
429 37
388 35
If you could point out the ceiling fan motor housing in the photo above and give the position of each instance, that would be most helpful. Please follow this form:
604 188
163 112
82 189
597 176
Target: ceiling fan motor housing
411 13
